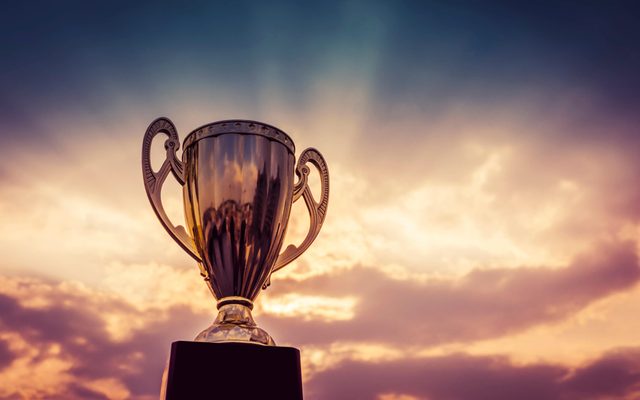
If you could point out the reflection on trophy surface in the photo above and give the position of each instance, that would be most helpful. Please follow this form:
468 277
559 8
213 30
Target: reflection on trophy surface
238 188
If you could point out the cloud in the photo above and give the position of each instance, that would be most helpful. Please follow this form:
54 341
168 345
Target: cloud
60 346
477 184
451 377
67 340
463 377
6 355
66 344
615 374
483 304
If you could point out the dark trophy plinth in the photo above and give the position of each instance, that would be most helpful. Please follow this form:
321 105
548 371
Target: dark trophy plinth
210 371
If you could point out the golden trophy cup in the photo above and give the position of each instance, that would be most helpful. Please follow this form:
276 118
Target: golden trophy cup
238 188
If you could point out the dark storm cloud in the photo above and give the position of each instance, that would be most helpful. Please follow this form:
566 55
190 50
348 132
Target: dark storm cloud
484 304
77 323
463 377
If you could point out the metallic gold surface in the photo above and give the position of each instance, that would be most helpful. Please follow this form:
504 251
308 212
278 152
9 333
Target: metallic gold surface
153 180
238 188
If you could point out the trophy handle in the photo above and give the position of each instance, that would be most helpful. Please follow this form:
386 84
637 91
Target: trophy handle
153 180
317 210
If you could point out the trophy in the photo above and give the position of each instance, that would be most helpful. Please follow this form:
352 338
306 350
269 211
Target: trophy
238 188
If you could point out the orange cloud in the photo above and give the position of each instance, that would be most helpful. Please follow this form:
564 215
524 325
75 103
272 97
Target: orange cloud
64 345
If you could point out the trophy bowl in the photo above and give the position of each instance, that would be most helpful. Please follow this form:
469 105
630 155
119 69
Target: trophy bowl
238 187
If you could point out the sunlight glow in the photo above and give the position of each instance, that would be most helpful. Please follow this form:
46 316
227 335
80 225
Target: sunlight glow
394 396
316 359
111 388
311 307
606 325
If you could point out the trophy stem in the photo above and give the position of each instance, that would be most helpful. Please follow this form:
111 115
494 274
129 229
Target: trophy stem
235 323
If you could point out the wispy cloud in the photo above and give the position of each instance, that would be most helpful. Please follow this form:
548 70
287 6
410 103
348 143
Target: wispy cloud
69 342
461 377
483 304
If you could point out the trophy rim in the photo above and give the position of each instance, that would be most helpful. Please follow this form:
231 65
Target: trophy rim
239 126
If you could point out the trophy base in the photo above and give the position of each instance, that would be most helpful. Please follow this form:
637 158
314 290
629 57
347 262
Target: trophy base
239 371
235 324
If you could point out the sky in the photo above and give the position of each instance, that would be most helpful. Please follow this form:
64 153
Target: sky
483 228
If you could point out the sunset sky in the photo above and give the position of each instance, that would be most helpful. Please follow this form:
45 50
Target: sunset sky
483 229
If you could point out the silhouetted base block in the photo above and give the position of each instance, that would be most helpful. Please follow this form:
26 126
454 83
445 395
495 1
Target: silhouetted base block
199 371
